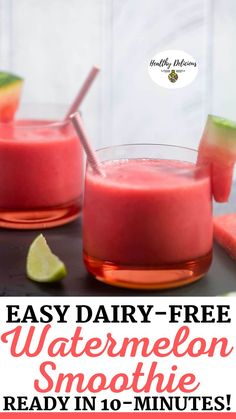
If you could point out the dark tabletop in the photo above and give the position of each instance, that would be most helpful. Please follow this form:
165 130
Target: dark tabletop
66 242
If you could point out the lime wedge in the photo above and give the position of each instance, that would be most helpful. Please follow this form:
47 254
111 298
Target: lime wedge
42 265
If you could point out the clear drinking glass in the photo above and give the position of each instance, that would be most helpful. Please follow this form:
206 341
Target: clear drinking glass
41 170
148 222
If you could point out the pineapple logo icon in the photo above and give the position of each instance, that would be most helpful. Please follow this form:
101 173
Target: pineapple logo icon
173 77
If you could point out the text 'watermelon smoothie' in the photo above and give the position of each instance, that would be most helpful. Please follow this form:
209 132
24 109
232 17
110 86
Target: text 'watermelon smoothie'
40 173
148 221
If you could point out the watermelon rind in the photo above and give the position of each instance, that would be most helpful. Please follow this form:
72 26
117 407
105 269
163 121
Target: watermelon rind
8 79
10 91
221 132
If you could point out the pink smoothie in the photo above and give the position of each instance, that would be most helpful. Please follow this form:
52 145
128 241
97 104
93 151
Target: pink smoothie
40 165
147 213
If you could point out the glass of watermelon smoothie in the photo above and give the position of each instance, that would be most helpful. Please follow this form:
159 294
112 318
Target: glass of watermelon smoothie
41 171
147 224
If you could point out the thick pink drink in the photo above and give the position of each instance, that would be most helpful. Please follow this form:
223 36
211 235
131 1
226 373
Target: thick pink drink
40 174
150 216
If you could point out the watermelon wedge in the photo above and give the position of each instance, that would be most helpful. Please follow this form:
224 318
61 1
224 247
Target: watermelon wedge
10 90
218 149
225 233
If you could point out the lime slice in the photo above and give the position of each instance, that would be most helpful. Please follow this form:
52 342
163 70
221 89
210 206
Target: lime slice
42 265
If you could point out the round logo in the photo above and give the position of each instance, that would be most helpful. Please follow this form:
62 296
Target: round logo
173 69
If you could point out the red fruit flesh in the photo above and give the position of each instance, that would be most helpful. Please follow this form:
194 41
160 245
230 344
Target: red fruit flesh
222 177
221 166
9 102
225 233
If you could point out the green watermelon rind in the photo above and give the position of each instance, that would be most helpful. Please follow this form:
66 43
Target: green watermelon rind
10 90
7 80
221 132
222 122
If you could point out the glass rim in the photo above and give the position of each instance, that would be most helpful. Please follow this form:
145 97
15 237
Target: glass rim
195 168
146 144
46 124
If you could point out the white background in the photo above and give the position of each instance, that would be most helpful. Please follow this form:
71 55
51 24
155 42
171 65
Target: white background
54 43
216 375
